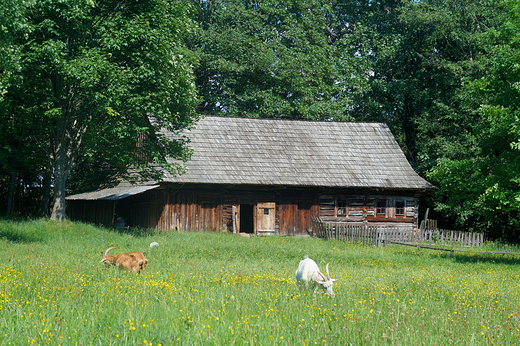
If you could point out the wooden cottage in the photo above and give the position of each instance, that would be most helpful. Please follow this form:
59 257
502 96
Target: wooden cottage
267 176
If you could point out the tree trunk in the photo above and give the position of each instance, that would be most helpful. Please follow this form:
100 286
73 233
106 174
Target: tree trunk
60 179
43 210
11 194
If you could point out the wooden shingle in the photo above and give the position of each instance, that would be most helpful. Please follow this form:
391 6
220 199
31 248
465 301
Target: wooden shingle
246 151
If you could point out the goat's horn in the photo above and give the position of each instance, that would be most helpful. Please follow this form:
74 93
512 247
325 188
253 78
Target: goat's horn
110 248
327 269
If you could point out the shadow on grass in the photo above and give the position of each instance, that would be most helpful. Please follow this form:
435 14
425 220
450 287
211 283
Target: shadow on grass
486 258
136 232
473 257
19 238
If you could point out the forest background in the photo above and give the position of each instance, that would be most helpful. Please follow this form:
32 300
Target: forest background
79 80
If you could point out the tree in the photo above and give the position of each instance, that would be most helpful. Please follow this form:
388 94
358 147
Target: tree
483 191
11 20
274 59
425 50
98 75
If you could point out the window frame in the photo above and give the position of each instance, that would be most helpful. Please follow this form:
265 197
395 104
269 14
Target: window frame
379 207
338 206
397 208
344 207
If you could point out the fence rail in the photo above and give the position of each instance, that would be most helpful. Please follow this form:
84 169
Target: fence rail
379 235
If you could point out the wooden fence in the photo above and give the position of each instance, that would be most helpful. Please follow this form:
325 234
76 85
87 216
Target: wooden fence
379 235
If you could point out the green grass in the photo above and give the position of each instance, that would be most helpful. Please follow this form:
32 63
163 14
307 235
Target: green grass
220 289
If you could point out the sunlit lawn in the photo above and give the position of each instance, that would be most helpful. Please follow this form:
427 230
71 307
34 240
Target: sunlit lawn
220 289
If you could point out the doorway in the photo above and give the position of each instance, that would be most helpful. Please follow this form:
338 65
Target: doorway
246 218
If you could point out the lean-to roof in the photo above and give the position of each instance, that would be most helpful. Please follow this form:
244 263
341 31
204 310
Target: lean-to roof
112 194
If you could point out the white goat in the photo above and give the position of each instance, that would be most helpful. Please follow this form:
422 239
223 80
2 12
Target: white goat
308 272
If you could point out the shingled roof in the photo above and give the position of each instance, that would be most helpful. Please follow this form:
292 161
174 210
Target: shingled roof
246 151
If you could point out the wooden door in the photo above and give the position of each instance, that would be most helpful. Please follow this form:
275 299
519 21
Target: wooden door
303 218
265 218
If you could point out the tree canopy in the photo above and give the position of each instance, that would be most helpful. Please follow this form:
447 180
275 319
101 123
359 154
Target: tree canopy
481 189
96 75
285 59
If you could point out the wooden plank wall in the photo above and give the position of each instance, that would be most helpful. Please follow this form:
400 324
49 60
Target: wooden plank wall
285 218
294 217
143 210
183 212
191 211
199 207
96 212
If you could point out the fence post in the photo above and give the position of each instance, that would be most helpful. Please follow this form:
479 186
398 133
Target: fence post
234 211
379 235
451 242
326 231
420 235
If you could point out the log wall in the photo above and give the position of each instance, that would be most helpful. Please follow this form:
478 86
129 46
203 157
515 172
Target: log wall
193 207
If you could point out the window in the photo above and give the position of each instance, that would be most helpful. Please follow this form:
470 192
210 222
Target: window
266 211
381 207
399 208
341 209
331 207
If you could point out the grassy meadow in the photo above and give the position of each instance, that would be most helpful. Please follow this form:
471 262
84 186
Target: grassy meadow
220 289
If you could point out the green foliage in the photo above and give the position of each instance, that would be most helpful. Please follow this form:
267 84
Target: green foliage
482 192
220 289
11 21
95 76
423 53
272 59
